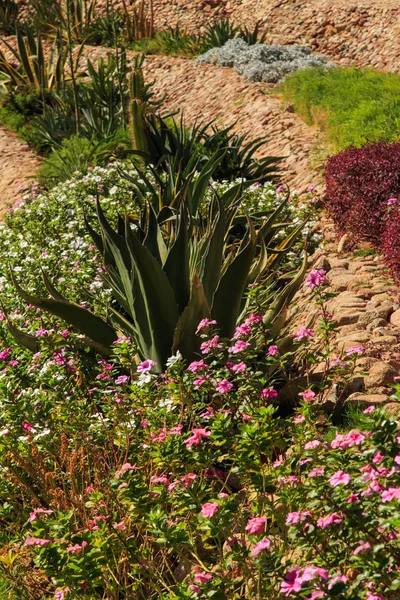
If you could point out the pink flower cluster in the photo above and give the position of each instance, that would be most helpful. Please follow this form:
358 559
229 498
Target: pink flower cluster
196 437
295 579
315 278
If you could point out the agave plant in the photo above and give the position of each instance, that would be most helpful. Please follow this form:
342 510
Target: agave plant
168 270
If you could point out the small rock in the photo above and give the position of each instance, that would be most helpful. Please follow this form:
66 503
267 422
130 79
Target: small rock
380 373
376 323
364 398
369 317
395 318
342 242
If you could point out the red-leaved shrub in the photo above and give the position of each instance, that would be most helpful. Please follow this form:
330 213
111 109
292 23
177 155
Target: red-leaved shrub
390 243
359 182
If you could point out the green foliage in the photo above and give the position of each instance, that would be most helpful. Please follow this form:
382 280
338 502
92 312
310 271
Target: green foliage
219 32
174 266
43 71
171 42
352 106
78 153
8 16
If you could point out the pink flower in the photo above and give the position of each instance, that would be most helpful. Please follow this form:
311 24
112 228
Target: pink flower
5 354
224 386
252 318
243 329
269 393
260 546
125 467
194 588
297 517
38 511
209 509
390 494
64 333
31 541
247 417
162 479
196 437
121 526
202 577
13 363
121 379
273 350
391 201
255 526
336 579
299 419
310 573
199 381
362 547
239 346
371 596
355 350
303 332
312 445
76 549
236 368
292 583
60 594
41 333
205 323
369 410
339 478
210 345
315 278
146 366
308 395
197 365
324 522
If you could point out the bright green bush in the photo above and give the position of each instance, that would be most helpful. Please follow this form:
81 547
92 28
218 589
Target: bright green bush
352 106
77 154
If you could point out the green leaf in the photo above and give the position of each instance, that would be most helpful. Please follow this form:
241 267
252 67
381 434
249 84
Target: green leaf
185 338
230 291
94 327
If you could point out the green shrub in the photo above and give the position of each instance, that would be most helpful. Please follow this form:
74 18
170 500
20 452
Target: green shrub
77 154
353 107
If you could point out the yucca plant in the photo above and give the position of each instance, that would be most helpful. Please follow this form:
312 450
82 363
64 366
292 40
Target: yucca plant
35 69
44 71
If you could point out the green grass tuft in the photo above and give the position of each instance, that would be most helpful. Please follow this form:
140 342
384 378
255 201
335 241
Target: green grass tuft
352 107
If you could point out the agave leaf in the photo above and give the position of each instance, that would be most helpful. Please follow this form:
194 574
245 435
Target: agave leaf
155 311
154 240
91 325
24 57
23 339
285 296
230 291
176 267
185 338
213 255
51 289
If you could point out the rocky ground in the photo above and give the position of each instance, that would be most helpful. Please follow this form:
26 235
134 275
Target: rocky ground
18 165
